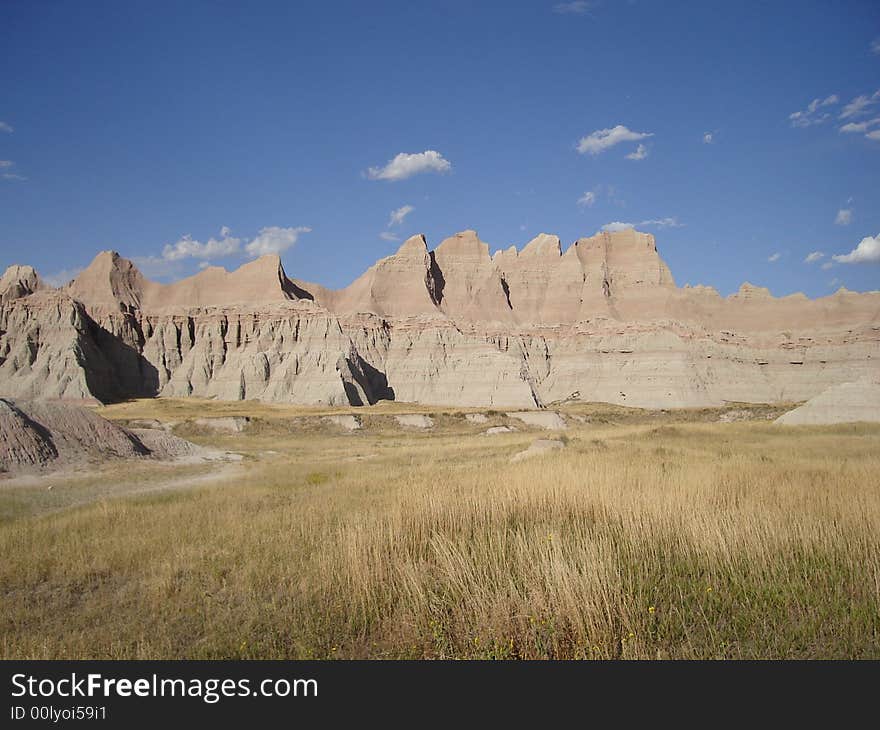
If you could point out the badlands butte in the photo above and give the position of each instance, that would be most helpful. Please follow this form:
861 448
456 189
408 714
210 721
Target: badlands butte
602 321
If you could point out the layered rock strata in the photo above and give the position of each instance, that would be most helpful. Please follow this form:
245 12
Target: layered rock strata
601 321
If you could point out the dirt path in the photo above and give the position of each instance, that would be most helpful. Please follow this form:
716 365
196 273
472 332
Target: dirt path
44 494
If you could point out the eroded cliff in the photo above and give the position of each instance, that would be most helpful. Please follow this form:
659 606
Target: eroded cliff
600 321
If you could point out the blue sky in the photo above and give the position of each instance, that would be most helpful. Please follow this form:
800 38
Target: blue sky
131 125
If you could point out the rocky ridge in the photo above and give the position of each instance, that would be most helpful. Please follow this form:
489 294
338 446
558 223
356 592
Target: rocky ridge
602 320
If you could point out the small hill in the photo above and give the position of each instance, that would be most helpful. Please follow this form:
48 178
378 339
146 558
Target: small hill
36 435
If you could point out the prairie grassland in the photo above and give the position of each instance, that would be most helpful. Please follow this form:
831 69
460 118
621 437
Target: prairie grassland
685 539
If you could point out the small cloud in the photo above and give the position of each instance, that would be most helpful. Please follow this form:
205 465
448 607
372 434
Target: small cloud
600 140
270 240
708 138
654 222
834 282
813 257
7 165
859 127
875 46
774 257
576 7
4 127
617 226
155 267
522 227
65 276
874 135
274 240
844 217
406 165
605 192
398 215
662 223
640 154
859 105
388 236
867 252
827 265
187 247
813 114
587 199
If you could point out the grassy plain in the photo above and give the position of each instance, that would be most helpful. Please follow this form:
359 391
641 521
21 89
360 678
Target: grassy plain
651 535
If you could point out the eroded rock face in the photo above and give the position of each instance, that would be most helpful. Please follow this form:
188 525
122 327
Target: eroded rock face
600 321
414 420
49 349
347 423
23 443
37 435
19 281
844 403
495 430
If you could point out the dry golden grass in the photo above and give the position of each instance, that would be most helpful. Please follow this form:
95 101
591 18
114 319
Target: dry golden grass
684 539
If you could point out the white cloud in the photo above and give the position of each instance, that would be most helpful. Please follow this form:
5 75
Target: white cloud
60 278
875 135
708 138
834 282
662 223
602 139
774 257
406 165
388 236
587 199
271 240
605 192
827 265
640 154
4 127
813 257
859 127
654 222
813 114
8 165
274 240
617 226
155 267
188 248
859 105
875 46
398 215
868 251
844 217
576 7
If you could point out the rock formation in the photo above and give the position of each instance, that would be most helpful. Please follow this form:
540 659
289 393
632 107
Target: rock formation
844 403
602 320
37 435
